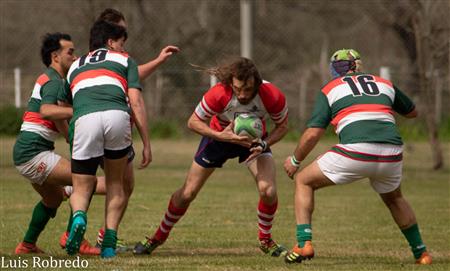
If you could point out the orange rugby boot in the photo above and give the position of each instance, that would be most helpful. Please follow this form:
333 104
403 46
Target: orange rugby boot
298 254
85 247
27 248
425 258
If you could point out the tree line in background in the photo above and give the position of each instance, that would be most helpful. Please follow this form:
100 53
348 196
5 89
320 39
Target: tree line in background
292 44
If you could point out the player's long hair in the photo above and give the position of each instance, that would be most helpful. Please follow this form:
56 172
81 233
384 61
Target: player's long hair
239 67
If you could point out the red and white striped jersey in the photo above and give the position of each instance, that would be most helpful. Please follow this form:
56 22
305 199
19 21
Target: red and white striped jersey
220 104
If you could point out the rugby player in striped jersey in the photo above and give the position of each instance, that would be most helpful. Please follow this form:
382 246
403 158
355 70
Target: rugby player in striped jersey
33 152
240 91
102 83
361 107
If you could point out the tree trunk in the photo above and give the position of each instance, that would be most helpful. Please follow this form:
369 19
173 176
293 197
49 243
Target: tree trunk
425 68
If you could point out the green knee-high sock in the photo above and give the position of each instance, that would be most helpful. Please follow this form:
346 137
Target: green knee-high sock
412 234
69 223
304 233
109 239
41 215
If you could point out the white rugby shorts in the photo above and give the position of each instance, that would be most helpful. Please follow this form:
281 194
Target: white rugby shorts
39 167
99 131
381 163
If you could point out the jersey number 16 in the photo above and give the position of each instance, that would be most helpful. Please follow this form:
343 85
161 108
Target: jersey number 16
367 82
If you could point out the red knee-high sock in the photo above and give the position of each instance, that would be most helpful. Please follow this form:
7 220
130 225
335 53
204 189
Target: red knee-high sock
172 215
266 213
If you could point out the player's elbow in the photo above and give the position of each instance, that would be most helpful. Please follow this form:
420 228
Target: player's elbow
412 114
313 134
191 124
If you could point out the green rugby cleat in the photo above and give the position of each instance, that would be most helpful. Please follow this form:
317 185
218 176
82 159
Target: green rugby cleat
76 235
270 247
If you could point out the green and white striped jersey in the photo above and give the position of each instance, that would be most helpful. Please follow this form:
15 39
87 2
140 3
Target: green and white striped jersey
99 81
361 108
37 134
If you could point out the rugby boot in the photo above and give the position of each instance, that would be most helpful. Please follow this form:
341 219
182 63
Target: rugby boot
270 247
108 252
76 235
85 248
298 254
424 259
146 247
27 248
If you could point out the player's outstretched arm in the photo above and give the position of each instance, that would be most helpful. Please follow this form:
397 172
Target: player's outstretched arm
140 117
148 68
305 145
227 135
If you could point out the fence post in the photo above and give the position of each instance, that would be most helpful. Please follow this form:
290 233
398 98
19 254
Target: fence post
212 80
17 94
246 29
385 72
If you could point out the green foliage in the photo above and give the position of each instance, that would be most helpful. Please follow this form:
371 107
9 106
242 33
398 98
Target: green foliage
165 129
10 120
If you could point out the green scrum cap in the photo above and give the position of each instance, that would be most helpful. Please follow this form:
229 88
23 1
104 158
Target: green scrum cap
345 54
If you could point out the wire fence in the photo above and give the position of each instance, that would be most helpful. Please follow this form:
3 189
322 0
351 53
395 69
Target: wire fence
292 41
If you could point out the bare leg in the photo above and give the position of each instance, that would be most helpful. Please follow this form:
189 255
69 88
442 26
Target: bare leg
405 218
115 202
195 180
400 209
83 187
181 199
61 173
306 182
263 170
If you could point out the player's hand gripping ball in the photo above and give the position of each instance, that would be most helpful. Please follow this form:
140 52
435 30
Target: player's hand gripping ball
248 125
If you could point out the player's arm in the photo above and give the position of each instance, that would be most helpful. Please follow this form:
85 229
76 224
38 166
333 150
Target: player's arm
306 144
412 114
140 117
226 135
404 105
55 112
49 97
63 128
148 68
317 124
278 132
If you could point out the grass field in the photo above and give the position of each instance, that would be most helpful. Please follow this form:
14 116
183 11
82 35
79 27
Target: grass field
352 228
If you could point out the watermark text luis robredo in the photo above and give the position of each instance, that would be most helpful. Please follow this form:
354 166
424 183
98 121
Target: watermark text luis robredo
43 262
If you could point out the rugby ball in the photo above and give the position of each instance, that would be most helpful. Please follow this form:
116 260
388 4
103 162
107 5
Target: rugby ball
248 125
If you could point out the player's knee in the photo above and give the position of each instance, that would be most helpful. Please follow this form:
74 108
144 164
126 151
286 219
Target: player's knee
393 198
188 195
268 191
53 202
